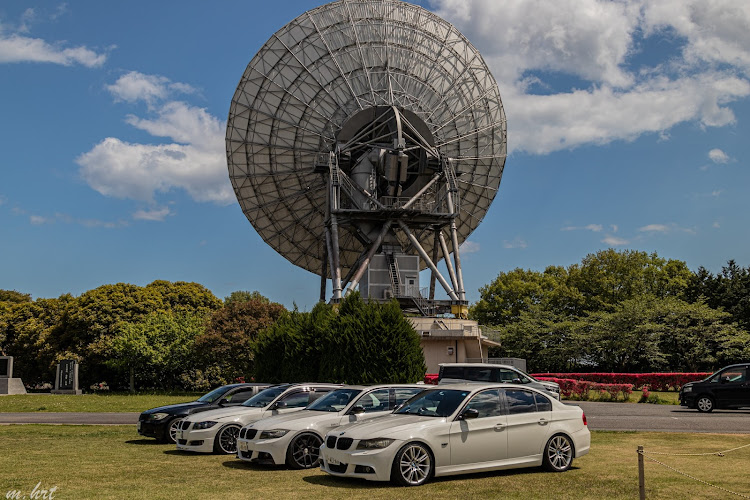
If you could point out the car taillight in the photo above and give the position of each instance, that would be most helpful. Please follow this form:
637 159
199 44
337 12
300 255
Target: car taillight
583 415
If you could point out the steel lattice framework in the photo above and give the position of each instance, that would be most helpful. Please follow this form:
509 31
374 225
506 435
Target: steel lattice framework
321 70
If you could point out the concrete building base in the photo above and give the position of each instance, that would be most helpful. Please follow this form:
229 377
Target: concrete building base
11 386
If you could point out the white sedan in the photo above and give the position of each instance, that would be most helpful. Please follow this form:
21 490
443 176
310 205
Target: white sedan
295 439
216 430
458 429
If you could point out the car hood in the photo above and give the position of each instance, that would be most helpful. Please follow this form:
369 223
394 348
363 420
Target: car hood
389 426
176 408
297 420
224 414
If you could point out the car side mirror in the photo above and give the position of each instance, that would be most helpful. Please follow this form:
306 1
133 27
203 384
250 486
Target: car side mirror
357 409
469 414
278 405
223 401
724 380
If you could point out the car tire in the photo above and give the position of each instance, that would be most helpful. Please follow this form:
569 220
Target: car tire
304 451
225 442
413 465
171 429
705 404
558 454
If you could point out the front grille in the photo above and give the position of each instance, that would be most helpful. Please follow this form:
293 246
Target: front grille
251 433
242 433
246 454
182 441
184 425
344 443
331 442
340 468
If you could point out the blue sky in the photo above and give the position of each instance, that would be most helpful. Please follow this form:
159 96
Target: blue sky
627 128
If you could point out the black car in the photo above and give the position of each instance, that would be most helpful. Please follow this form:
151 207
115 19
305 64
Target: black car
727 388
162 422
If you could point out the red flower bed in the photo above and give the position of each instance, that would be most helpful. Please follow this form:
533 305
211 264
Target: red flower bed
581 389
654 381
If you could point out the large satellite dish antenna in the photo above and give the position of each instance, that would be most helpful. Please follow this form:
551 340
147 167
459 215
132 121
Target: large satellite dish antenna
366 130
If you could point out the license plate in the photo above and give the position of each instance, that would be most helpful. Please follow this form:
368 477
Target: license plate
332 461
242 445
138 426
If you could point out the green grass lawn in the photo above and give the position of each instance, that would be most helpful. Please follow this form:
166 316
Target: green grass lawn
126 402
115 462
116 402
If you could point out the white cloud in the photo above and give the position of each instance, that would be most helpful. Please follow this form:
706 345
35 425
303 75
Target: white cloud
134 86
155 214
517 242
614 228
597 228
16 48
664 228
615 241
194 161
613 96
718 156
469 247
38 220
655 228
716 225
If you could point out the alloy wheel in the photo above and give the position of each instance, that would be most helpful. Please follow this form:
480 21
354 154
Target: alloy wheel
173 429
304 452
558 454
414 464
227 439
705 404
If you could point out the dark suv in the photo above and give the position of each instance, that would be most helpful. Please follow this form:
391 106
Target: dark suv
162 422
727 388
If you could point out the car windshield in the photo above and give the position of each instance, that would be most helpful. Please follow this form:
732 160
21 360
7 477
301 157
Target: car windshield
213 395
334 401
433 403
264 397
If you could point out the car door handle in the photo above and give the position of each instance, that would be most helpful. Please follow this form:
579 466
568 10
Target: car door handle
499 427
543 421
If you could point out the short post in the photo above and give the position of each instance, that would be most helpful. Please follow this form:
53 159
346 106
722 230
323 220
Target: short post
641 475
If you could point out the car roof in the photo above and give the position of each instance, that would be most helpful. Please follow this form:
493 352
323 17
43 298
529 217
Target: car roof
480 365
476 386
382 386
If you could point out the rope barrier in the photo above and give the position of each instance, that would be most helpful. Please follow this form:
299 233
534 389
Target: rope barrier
696 479
717 453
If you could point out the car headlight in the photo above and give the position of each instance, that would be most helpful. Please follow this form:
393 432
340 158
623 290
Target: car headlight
204 425
374 444
159 416
687 388
273 433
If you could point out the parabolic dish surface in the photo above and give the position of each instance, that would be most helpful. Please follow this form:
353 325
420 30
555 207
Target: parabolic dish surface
322 68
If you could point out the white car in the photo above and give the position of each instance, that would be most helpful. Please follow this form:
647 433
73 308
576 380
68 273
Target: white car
216 430
460 428
295 439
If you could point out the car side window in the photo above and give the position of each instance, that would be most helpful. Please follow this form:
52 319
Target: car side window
479 374
296 400
735 375
240 396
403 393
375 401
487 403
542 403
520 401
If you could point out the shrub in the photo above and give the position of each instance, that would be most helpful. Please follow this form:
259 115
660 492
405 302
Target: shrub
584 390
655 381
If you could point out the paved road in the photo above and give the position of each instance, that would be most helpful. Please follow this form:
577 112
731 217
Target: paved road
662 418
69 418
600 416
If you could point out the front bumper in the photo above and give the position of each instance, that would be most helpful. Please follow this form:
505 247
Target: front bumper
372 465
687 399
154 429
200 441
264 450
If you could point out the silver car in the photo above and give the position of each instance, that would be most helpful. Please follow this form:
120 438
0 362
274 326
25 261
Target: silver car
451 373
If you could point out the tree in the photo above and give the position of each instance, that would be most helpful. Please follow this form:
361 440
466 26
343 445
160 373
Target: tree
156 350
245 296
231 331
728 290
358 343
